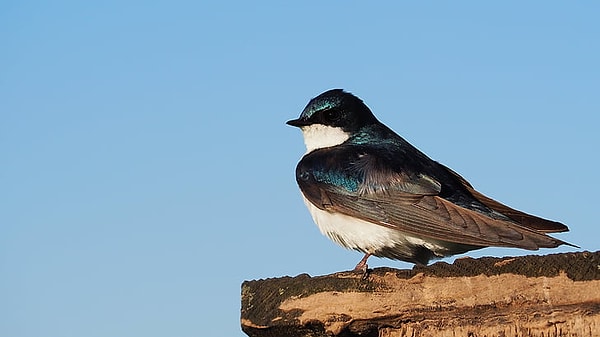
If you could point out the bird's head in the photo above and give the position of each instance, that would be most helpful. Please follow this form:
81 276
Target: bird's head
332 118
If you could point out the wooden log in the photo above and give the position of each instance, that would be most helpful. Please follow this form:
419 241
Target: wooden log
552 295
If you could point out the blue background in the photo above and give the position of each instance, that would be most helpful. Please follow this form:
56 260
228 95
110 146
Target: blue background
146 170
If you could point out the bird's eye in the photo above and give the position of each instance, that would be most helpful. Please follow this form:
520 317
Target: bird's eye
331 115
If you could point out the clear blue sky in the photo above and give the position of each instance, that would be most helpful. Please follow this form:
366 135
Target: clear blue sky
146 170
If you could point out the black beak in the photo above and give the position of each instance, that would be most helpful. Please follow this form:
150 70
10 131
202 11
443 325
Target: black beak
298 122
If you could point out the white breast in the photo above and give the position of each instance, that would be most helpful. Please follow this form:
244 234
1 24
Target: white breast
367 237
354 233
318 136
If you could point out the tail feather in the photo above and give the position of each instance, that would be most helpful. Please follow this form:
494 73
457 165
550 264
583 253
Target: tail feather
524 219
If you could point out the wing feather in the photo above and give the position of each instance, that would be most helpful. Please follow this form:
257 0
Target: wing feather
524 219
406 201
447 222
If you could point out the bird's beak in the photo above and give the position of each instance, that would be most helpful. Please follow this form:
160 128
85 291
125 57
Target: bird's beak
298 122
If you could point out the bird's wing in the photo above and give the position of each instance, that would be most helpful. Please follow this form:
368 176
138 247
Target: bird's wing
365 187
524 219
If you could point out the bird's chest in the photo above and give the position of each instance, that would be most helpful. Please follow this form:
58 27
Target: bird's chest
351 232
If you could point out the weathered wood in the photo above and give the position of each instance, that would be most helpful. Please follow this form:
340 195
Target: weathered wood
552 295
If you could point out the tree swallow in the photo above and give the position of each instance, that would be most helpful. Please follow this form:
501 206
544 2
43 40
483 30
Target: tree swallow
369 190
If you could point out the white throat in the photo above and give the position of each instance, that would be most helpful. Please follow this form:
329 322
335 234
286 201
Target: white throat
318 136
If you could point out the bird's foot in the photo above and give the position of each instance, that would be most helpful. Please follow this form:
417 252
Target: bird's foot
362 266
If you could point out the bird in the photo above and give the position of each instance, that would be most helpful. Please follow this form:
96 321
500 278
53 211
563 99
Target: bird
370 190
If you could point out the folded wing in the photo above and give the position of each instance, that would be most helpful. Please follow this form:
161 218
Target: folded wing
410 202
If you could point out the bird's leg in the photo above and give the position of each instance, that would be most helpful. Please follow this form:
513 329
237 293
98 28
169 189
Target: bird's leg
362 265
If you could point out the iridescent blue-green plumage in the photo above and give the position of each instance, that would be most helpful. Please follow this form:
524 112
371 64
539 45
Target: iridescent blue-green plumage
340 179
322 103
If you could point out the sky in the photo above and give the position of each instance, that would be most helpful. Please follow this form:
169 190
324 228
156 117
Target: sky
146 169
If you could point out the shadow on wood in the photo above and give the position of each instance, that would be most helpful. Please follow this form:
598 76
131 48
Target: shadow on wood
552 295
